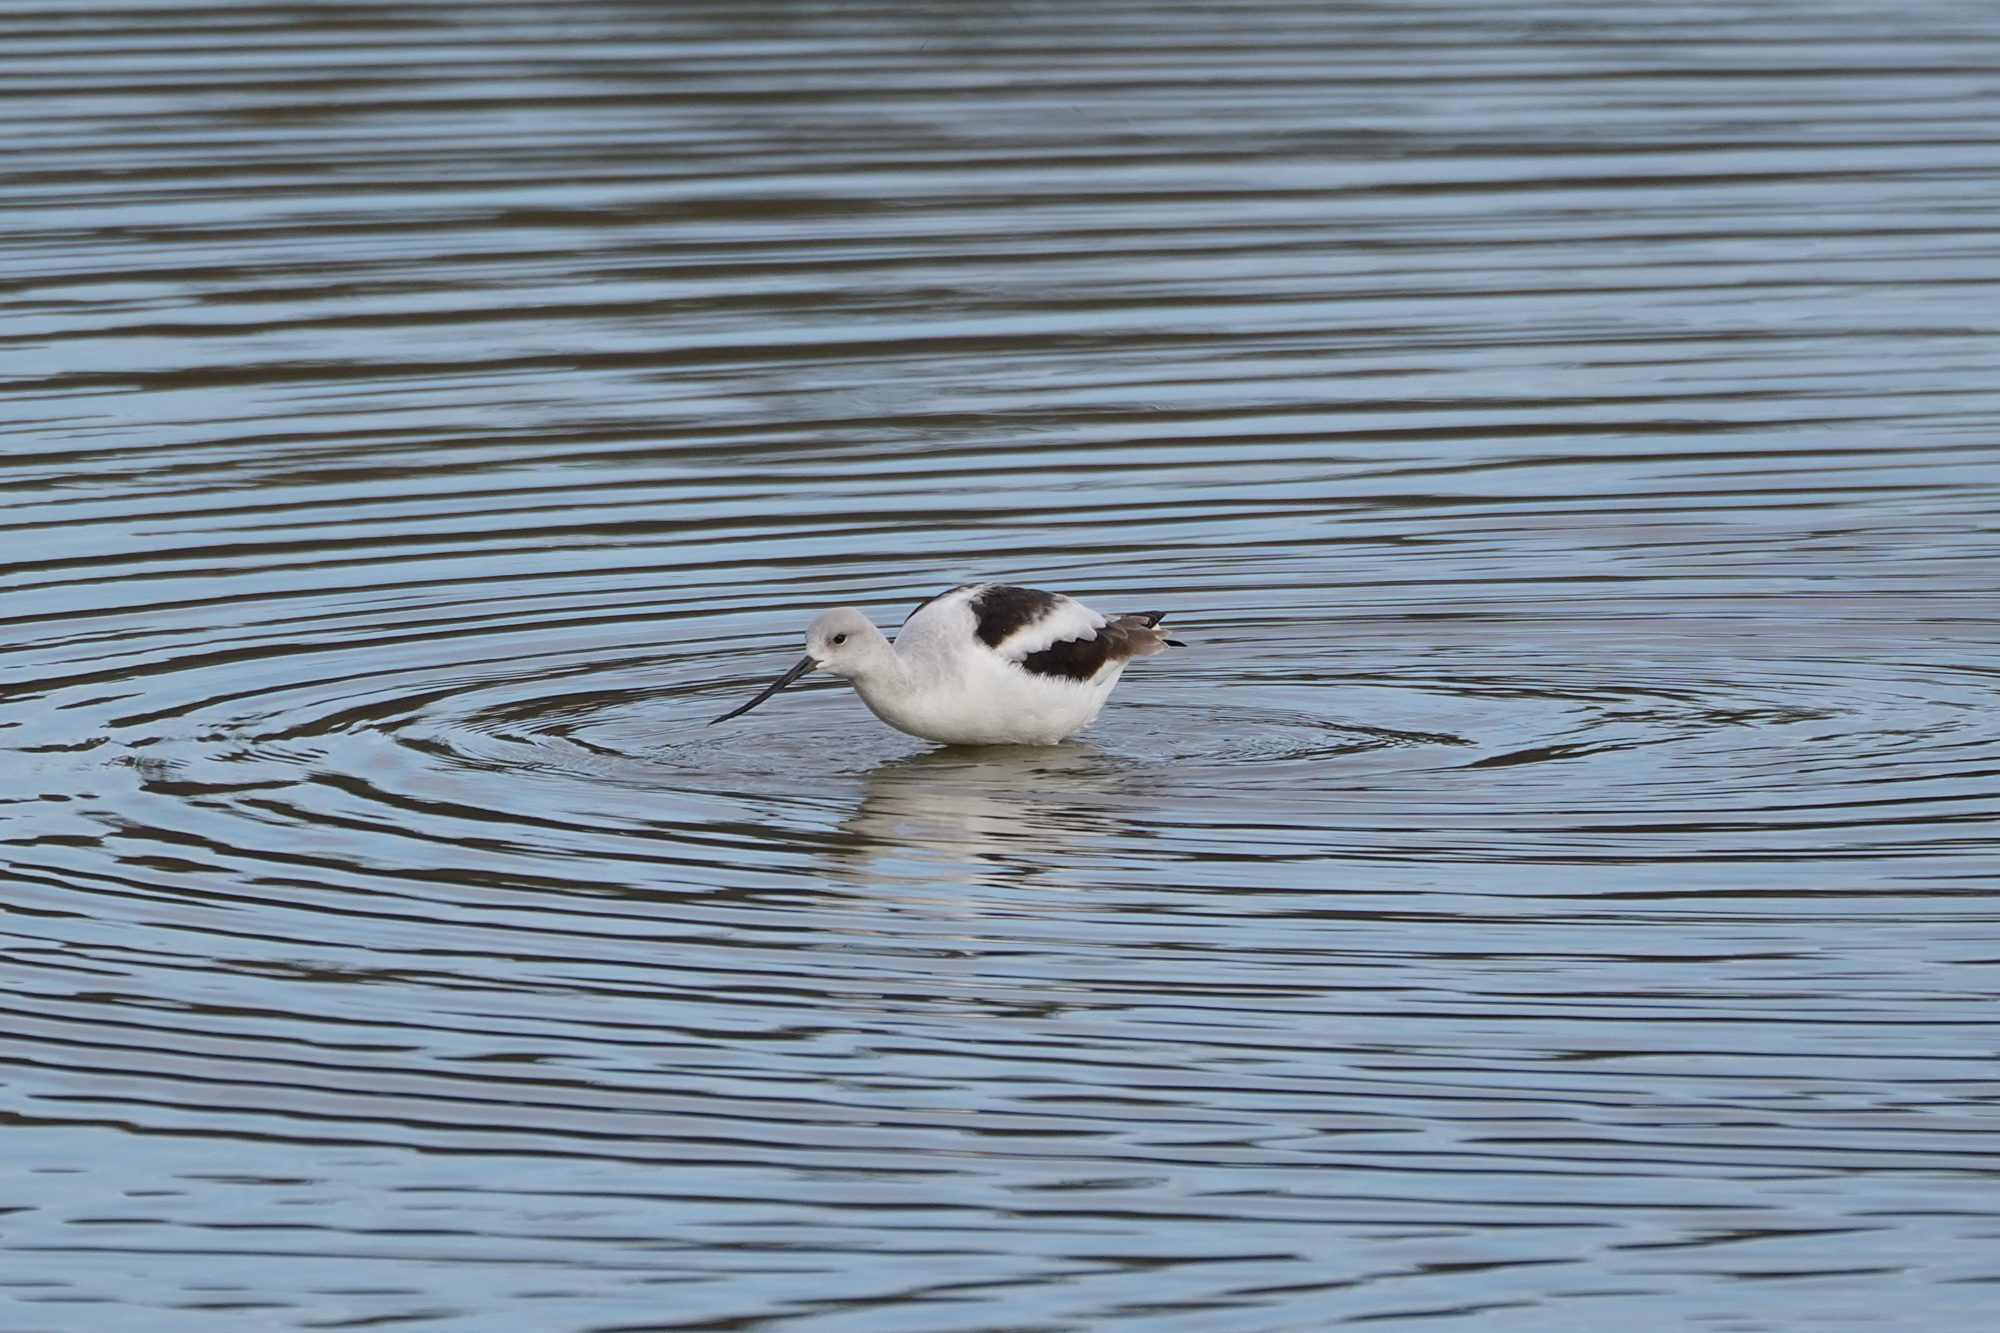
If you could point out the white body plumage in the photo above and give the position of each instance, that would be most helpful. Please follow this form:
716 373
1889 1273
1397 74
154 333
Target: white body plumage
985 664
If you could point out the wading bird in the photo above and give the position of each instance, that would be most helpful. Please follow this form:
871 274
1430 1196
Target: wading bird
985 664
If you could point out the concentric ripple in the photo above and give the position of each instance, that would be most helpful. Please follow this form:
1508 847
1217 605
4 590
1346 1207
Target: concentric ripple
1555 888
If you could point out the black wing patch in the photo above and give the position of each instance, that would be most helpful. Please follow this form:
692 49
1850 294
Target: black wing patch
1001 609
1077 659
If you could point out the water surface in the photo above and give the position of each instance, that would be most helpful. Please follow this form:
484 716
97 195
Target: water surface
1556 888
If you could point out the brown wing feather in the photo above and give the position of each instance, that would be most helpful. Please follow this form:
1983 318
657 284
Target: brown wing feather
1122 638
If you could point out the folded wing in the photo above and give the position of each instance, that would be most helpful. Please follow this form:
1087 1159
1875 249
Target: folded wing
1048 634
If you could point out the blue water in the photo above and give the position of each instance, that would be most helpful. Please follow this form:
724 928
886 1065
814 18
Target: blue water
1556 889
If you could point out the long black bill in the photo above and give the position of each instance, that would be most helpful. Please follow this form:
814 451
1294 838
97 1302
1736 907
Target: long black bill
805 664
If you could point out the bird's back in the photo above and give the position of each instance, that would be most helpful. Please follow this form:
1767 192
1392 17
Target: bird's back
992 663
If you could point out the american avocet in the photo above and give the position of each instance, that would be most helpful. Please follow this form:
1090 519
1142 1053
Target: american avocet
985 664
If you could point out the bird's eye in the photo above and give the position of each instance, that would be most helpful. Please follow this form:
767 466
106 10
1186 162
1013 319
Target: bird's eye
839 639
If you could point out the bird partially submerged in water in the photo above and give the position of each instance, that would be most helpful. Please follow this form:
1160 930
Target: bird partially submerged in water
984 664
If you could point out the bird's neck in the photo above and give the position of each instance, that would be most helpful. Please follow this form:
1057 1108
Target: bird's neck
886 671
885 680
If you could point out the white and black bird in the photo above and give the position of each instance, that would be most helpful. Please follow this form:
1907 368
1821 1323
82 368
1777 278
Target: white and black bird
984 664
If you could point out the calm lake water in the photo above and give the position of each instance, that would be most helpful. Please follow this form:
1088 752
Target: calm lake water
1558 888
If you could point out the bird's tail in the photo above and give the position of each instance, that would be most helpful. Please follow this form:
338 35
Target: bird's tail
1146 633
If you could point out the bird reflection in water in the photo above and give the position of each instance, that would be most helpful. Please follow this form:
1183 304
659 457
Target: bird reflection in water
989 813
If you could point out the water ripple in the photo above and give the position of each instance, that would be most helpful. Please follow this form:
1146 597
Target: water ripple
1554 887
